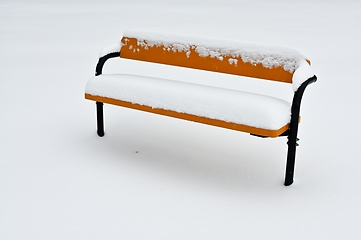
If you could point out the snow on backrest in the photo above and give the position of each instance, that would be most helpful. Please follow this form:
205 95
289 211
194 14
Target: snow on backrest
225 56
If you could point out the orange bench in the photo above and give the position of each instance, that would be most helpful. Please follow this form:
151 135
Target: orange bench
256 114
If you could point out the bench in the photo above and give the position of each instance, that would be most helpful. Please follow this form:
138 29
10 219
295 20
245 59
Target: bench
256 114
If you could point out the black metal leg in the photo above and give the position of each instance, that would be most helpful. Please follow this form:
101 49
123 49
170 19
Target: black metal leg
100 119
291 157
292 143
292 135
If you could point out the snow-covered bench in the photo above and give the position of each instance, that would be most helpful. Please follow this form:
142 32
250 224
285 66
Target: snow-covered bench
252 113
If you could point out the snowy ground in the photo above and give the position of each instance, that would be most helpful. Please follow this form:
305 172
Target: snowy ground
152 177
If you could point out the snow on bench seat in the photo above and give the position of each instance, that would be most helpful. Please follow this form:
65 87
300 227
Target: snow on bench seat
265 115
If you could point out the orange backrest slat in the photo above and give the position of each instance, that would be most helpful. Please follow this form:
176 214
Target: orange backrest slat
131 49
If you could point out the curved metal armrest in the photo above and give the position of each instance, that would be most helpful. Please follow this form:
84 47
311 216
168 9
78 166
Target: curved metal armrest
102 60
296 103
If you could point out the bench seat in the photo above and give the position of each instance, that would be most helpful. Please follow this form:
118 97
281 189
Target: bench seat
248 112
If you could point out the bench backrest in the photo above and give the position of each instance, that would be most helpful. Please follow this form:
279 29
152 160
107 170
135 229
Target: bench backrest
225 56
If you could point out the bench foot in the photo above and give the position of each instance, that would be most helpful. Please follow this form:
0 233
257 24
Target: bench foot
100 119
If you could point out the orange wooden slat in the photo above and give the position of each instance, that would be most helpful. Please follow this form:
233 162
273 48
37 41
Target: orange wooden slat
190 117
159 54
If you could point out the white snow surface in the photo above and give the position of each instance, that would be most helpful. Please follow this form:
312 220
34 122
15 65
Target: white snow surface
302 73
115 47
216 103
269 56
153 177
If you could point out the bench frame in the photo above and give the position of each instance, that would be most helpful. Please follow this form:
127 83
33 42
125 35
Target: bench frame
291 132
